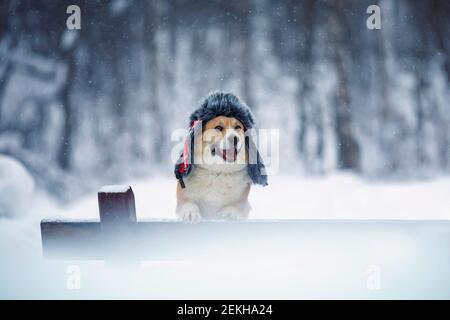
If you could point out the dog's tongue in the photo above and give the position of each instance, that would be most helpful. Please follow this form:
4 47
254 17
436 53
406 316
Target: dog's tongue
229 154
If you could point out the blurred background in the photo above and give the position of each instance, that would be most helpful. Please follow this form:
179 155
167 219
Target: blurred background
83 108
364 120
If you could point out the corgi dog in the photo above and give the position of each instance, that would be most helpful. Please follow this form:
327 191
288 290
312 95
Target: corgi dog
219 162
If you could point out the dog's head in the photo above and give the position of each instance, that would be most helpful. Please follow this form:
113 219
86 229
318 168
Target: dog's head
221 146
218 139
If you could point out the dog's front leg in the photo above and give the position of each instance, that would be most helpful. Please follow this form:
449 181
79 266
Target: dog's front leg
189 212
239 211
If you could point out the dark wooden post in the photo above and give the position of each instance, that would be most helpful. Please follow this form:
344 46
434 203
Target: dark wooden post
116 205
117 219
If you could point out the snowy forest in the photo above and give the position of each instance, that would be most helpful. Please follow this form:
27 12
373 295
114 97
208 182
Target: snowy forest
83 108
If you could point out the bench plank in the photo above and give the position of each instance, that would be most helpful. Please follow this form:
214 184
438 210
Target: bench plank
251 239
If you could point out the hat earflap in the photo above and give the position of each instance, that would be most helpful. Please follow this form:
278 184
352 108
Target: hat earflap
256 169
183 166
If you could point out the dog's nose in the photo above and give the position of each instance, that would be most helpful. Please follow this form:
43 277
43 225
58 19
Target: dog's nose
233 139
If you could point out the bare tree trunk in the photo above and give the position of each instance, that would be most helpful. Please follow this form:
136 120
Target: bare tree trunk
320 144
173 32
246 52
303 123
420 120
348 148
421 57
3 84
13 40
65 149
150 43
173 13
440 11
119 92
386 139
304 15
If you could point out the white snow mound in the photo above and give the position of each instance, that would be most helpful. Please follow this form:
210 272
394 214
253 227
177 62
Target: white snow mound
16 188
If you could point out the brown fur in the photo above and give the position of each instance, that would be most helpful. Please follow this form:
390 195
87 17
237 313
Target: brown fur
210 136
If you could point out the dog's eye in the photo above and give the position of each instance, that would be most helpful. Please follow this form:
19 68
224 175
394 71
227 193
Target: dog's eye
220 128
237 127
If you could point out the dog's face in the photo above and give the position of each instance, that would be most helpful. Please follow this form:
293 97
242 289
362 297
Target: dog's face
221 147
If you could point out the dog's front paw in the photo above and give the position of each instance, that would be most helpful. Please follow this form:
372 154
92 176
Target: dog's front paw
190 212
231 213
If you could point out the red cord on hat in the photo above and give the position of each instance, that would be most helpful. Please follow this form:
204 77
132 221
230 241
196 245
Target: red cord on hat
184 166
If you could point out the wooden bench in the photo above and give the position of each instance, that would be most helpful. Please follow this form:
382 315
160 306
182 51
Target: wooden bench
118 234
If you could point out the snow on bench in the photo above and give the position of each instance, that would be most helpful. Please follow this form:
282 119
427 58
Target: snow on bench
118 235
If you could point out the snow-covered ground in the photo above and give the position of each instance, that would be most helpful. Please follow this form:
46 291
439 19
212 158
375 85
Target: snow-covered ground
333 197
24 274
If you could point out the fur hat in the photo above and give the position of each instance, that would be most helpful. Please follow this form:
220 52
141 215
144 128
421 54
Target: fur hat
214 105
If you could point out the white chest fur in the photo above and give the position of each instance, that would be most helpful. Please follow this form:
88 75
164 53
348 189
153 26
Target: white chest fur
212 191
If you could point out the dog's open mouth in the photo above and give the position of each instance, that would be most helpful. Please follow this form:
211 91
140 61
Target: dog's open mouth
229 155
